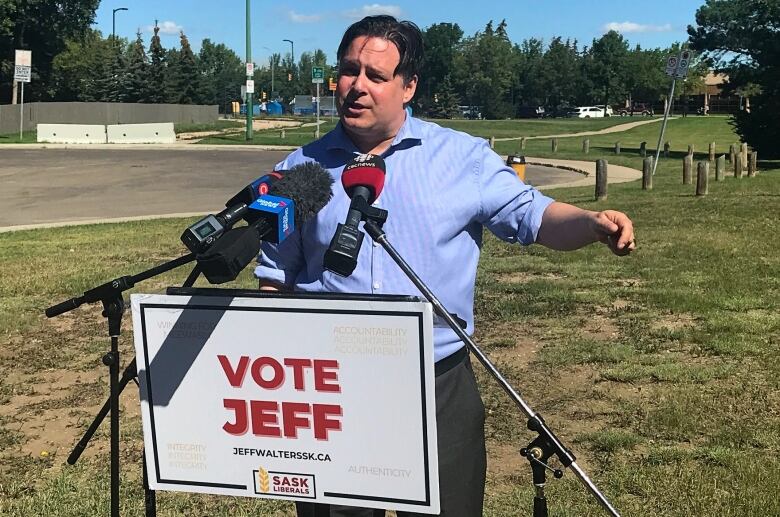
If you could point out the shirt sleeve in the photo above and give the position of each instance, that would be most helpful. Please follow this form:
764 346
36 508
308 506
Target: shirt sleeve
509 208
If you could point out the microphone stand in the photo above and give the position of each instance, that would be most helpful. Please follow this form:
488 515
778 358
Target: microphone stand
546 444
110 295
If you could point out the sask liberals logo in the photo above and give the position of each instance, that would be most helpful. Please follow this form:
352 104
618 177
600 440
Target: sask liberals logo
284 484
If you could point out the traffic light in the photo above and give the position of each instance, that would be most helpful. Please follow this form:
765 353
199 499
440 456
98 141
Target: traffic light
289 77
264 96
436 97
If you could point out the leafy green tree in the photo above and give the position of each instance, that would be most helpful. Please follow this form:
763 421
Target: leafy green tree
529 81
77 71
221 73
646 80
559 71
136 84
608 68
442 41
43 27
741 38
157 83
446 103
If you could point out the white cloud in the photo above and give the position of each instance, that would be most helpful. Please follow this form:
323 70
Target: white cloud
372 10
167 27
303 18
627 27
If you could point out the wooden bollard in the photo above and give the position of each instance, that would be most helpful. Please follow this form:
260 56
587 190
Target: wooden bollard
647 173
643 149
737 166
731 153
667 147
720 167
687 166
601 180
282 134
702 178
753 164
554 145
712 151
522 144
586 146
744 154
690 149
492 142
617 147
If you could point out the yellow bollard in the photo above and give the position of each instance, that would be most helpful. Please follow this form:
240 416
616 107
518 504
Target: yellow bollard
518 164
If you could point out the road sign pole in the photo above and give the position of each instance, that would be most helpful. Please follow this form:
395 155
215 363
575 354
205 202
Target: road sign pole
317 132
21 115
249 107
663 125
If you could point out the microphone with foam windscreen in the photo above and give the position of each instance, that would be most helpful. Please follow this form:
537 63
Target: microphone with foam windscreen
292 199
363 179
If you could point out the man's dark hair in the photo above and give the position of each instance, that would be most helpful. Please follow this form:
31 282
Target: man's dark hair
405 35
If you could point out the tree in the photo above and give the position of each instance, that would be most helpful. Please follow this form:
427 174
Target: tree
221 73
446 103
608 68
43 27
741 38
559 71
77 71
157 92
136 84
441 42
182 77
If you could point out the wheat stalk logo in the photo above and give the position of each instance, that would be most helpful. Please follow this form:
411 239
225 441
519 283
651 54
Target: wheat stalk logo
262 479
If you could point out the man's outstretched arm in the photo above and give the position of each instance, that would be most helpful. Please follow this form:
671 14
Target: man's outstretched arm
565 227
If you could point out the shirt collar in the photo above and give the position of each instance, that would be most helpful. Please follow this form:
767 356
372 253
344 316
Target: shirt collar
410 134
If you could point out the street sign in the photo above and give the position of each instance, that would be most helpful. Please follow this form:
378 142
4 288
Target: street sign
250 69
23 58
250 86
22 73
684 63
317 75
671 65
331 85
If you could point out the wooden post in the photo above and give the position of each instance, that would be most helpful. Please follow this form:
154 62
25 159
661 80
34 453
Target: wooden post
643 149
522 144
601 180
712 151
492 142
690 149
702 178
744 154
667 147
737 166
731 153
617 147
720 167
282 134
753 164
687 166
554 145
647 173
586 146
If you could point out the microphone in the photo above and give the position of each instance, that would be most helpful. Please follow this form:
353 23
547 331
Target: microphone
293 199
202 234
363 179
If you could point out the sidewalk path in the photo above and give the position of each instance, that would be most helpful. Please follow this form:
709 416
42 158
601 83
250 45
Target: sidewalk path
615 173
614 129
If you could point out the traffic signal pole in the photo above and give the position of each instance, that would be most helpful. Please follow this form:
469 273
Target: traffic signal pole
249 107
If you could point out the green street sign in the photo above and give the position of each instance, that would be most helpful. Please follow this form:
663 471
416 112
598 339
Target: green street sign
317 74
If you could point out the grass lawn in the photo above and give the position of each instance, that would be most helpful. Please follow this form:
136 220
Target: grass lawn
217 125
28 137
296 136
660 371
533 127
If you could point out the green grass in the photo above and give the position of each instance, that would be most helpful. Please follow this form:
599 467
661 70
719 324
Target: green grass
533 127
295 136
28 137
217 125
660 371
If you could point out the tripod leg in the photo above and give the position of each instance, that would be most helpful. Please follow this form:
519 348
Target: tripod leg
112 359
150 497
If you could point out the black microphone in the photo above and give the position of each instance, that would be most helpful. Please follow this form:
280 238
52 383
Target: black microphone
293 199
363 179
202 234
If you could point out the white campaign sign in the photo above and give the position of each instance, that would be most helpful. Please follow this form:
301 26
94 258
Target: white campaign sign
317 400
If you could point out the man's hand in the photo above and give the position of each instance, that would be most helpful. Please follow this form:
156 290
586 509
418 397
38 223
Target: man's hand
616 230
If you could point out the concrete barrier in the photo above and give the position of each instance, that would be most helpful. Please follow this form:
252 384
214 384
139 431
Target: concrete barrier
71 134
141 133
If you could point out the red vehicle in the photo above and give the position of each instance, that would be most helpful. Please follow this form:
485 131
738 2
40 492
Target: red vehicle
637 108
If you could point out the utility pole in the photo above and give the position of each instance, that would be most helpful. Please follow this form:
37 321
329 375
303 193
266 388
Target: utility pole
249 106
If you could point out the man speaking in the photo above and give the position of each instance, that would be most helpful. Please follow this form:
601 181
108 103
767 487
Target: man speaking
441 188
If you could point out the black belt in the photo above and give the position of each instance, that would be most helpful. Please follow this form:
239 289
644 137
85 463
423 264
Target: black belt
451 361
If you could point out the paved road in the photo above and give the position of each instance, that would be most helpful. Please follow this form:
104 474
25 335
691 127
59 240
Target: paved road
56 185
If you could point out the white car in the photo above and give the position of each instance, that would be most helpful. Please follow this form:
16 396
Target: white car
591 112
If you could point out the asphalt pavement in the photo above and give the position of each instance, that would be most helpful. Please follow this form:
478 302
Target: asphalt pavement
64 186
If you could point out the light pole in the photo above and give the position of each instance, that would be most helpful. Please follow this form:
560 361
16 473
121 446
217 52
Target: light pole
272 70
113 22
249 106
292 51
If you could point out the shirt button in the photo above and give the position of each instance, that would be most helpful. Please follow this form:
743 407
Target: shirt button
377 285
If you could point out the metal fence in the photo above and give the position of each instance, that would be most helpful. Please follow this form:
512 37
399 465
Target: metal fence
102 113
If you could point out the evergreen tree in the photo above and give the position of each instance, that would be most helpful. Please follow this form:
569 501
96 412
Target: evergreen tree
156 86
446 102
182 73
136 86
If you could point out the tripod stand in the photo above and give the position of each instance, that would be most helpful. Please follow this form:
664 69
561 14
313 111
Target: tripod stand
546 444
110 295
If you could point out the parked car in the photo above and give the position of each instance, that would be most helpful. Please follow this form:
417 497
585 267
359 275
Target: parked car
530 112
591 112
637 108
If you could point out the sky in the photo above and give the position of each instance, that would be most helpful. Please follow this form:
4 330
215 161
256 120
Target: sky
311 25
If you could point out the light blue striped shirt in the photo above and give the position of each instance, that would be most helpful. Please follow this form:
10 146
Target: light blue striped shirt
442 187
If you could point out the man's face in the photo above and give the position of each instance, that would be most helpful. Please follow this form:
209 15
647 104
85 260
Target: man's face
370 98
